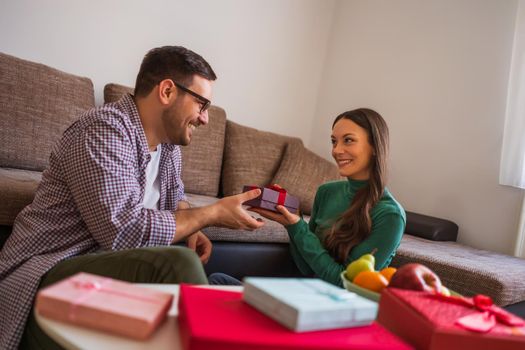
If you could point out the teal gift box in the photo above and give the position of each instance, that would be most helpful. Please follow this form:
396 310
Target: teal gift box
308 304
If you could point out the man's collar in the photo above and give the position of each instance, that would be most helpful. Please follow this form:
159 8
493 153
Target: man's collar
128 104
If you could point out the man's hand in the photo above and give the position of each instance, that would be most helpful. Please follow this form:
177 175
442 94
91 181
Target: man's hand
230 213
226 212
200 244
284 217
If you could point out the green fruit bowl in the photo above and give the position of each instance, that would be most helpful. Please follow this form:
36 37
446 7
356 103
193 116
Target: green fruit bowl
365 293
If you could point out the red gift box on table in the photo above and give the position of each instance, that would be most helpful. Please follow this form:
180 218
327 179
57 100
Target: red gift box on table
430 321
221 320
270 197
105 304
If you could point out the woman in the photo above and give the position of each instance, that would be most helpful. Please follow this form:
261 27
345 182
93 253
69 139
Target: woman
352 217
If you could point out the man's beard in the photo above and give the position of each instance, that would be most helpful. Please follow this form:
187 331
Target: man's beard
176 133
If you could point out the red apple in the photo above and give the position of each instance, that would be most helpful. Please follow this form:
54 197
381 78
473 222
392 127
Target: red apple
415 277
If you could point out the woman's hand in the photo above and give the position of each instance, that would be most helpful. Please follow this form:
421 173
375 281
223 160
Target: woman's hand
284 217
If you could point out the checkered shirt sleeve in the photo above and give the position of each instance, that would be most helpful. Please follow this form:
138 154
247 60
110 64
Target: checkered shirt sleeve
103 177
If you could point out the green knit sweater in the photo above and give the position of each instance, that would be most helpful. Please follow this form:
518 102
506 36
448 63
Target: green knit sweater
331 200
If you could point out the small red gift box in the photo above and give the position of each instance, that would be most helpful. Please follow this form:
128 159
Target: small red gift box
105 304
271 196
429 321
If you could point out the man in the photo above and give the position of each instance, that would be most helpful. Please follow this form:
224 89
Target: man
112 201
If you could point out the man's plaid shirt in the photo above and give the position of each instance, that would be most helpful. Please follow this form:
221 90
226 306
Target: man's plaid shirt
90 199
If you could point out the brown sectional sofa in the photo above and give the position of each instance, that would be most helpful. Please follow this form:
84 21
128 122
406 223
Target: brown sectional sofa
222 157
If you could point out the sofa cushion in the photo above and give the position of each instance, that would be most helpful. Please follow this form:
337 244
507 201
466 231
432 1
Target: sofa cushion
37 103
18 190
114 92
251 157
302 171
202 158
270 232
467 270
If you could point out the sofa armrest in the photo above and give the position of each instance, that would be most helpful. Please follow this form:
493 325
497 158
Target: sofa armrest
429 227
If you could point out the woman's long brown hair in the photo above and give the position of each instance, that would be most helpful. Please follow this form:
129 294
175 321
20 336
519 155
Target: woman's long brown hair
355 224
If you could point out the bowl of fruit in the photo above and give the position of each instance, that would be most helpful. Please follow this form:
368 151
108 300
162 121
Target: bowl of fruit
361 278
352 287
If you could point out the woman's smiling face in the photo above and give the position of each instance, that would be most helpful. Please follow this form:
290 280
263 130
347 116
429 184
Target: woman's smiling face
351 150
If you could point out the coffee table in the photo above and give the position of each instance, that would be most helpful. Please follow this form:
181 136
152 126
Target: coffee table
166 337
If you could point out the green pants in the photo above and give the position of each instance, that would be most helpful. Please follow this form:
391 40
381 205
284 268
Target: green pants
173 264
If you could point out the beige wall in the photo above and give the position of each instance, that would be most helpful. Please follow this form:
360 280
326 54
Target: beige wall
268 54
437 71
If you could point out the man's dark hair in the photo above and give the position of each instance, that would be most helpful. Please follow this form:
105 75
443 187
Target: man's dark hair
170 62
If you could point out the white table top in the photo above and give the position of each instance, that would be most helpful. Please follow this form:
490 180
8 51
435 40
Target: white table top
165 337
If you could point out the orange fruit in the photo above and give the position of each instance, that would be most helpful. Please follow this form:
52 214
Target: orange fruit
388 272
371 280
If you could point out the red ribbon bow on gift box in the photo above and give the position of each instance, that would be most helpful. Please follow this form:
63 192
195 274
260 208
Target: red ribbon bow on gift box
484 320
282 192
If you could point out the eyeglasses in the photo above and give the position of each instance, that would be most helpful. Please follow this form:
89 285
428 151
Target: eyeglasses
205 103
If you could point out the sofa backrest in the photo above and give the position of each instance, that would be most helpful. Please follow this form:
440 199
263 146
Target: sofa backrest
251 157
113 92
37 103
202 158
302 171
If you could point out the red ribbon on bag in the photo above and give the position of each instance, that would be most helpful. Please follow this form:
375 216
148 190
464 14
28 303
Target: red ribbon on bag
486 317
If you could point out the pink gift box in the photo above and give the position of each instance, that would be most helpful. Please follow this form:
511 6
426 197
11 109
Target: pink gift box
105 304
